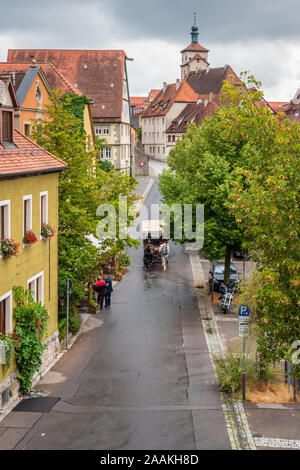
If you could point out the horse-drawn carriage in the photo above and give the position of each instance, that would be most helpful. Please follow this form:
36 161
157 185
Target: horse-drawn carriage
155 244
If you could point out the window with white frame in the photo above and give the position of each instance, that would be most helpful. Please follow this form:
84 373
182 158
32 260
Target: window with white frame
36 286
102 130
44 207
6 312
27 213
4 219
105 152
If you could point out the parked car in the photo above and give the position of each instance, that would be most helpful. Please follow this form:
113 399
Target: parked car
239 254
219 275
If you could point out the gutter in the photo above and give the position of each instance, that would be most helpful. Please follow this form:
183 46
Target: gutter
32 173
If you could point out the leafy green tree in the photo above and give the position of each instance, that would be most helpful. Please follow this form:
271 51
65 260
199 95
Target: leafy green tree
266 205
202 170
82 188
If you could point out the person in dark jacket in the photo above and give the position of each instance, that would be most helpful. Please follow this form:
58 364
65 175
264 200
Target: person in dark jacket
109 290
101 289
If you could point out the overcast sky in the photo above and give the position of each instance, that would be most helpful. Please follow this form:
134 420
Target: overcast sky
262 36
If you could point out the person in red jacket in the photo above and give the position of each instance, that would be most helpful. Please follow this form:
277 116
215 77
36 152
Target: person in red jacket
101 289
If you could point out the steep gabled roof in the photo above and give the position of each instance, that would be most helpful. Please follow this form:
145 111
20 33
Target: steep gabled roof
193 112
211 80
27 158
168 96
195 46
98 73
24 74
5 87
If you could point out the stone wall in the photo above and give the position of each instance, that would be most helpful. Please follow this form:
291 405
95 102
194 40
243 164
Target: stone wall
49 356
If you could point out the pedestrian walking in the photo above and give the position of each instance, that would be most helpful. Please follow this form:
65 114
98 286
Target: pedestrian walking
109 290
101 289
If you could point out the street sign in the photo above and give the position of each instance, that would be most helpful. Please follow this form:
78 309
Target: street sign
244 313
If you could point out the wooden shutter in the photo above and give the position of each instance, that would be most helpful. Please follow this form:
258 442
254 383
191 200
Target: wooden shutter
2 315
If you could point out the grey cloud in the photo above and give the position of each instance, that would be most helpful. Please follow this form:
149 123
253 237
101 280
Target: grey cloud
218 20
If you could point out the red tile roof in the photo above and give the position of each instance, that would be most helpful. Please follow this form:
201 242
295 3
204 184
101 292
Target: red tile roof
56 79
27 158
138 100
194 46
96 72
279 106
193 112
211 80
165 99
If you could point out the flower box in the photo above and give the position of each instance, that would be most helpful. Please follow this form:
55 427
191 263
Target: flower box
47 231
29 238
8 247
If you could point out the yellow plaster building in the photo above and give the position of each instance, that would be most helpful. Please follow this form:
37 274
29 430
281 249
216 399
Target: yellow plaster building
28 198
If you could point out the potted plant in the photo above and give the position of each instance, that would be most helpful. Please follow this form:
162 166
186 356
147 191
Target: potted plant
8 247
47 231
29 238
118 276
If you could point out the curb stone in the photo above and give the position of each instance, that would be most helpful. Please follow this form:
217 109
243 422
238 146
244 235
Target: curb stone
238 429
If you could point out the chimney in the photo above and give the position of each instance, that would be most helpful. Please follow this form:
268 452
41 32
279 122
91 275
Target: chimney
165 86
177 84
206 102
211 96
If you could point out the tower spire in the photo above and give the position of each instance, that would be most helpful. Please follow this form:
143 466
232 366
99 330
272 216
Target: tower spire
194 31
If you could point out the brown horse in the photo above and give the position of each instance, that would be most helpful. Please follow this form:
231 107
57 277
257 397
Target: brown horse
148 254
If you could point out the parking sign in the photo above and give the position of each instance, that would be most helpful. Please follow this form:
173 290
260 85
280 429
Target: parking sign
244 313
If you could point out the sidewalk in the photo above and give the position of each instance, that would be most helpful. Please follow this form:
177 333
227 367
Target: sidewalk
272 425
144 185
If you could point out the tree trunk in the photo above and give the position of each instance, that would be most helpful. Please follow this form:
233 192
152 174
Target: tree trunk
227 264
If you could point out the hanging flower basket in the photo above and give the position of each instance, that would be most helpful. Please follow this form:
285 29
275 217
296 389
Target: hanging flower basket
8 247
47 231
29 238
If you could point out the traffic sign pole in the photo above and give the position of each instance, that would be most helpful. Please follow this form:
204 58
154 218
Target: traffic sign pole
244 368
244 313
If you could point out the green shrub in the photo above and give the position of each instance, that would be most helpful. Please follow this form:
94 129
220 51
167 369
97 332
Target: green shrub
230 372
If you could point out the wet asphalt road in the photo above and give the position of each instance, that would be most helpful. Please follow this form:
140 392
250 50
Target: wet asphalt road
143 380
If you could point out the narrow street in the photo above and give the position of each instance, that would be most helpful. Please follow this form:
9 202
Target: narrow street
142 379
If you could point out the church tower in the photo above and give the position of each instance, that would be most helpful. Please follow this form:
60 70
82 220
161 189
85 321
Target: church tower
194 56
